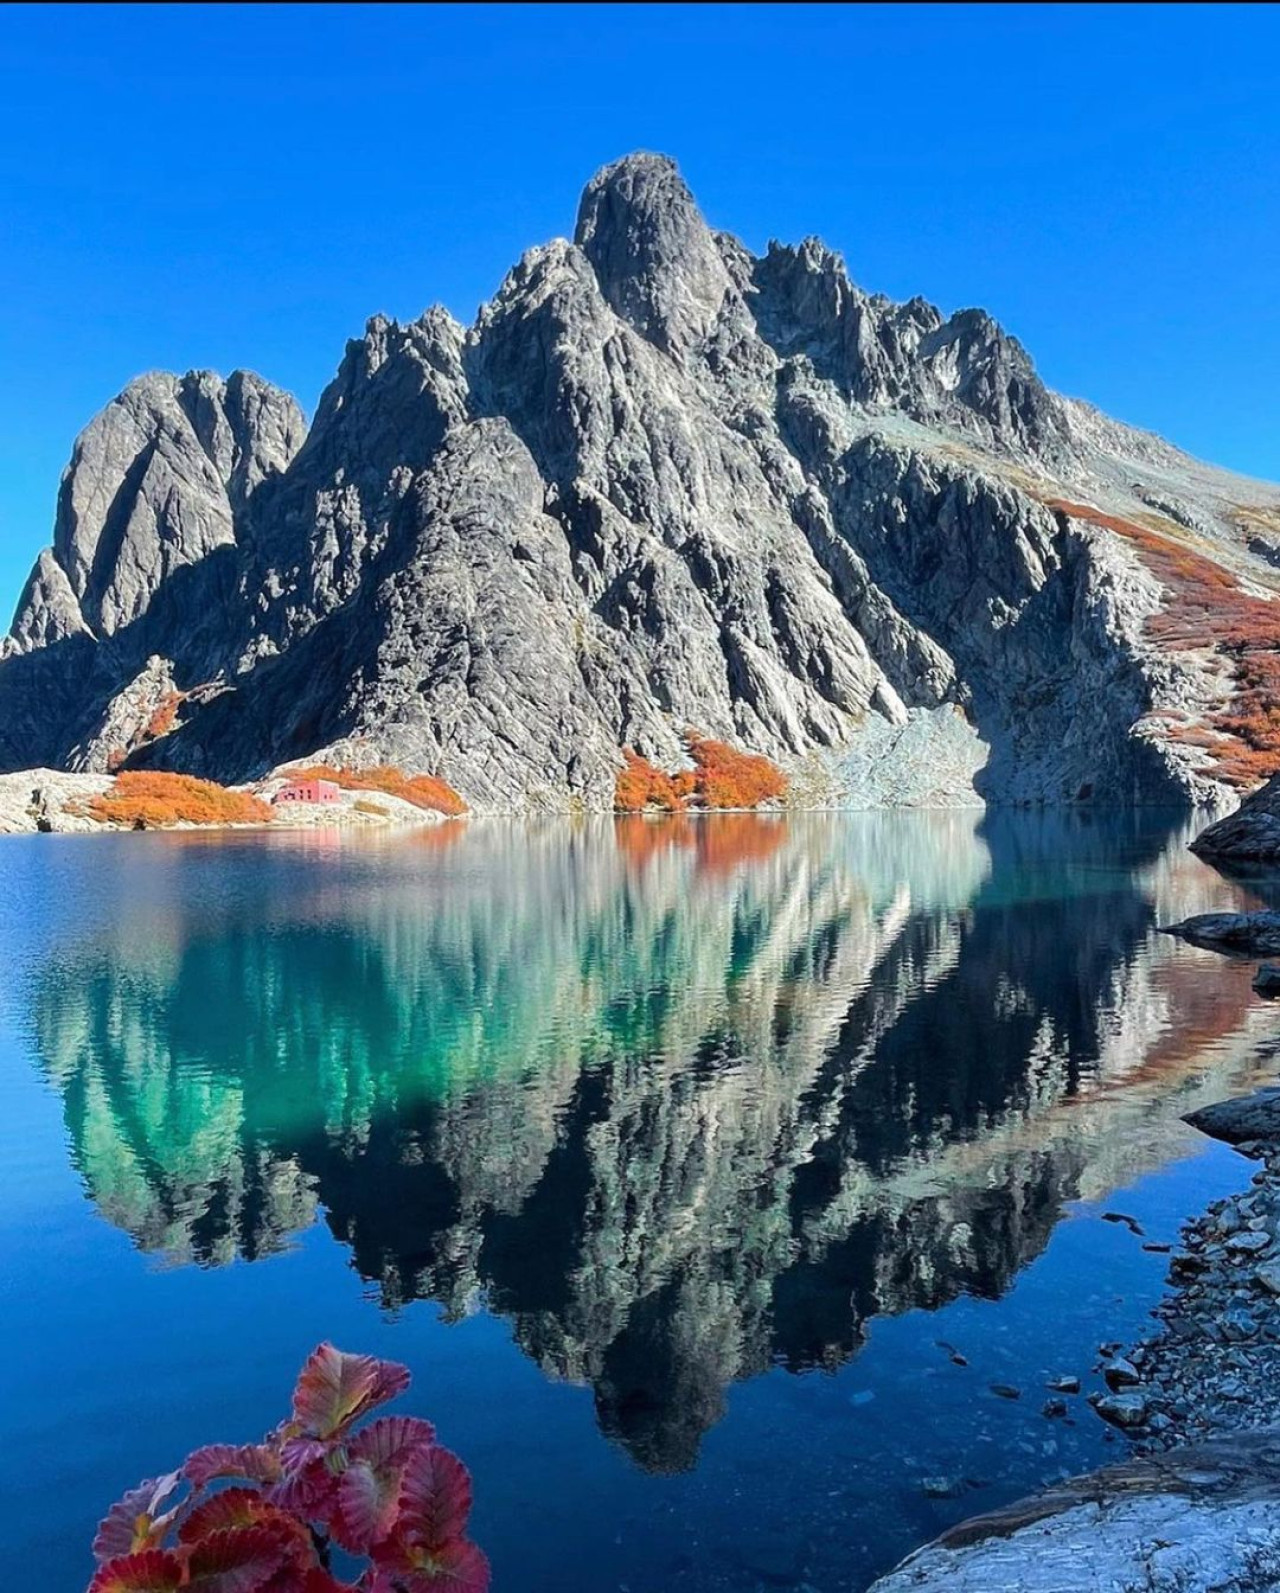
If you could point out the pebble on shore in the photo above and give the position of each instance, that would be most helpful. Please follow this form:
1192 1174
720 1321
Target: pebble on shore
1212 1365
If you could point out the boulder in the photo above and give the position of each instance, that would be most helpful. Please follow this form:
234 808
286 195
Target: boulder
1204 1519
1244 934
1248 1117
1251 833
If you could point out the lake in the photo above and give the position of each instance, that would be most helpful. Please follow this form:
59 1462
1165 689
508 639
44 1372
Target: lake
683 1161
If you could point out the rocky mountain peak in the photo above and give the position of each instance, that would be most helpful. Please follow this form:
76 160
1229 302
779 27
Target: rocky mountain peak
655 257
156 481
660 483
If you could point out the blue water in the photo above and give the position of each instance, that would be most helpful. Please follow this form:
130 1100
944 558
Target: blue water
669 1155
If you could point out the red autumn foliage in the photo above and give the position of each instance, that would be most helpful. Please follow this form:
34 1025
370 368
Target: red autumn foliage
1208 609
722 777
151 799
422 790
385 1493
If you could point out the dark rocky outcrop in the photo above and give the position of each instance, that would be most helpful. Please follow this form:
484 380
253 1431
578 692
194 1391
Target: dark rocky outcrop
1250 834
659 484
1242 934
1247 1119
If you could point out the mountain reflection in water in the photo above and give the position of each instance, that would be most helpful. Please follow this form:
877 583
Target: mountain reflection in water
680 1099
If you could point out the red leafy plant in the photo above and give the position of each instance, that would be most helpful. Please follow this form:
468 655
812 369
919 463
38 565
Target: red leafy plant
268 1517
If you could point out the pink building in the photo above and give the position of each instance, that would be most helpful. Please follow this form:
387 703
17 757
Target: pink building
307 791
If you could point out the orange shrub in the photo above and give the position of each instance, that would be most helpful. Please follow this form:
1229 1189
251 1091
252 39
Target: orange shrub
721 778
422 790
726 778
642 786
147 799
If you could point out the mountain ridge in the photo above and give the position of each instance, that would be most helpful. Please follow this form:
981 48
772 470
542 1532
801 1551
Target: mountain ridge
659 484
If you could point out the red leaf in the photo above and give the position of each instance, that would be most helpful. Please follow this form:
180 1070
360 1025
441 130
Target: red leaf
242 1507
435 1497
295 1453
364 1507
368 1492
390 1440
135 1523
308 1492
154 1571
241 1560
458 1567
335 1389
253 1462
318 1581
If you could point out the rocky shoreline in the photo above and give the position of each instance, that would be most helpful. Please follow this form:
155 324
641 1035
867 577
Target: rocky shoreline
1196 1507
49 801
1212 1368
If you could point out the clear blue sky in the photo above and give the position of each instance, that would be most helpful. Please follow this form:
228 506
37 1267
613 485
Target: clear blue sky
222 186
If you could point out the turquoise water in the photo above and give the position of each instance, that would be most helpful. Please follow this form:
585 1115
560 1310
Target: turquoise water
674 1158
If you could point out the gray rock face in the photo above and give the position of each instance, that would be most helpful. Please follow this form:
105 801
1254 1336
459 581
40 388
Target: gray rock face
154 484
1205 1519
659 484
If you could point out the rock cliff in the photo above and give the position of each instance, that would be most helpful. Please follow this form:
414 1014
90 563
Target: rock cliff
660 483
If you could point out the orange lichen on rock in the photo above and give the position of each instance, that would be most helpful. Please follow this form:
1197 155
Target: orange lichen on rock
162 719
721 777
150 799
421 790
1208 609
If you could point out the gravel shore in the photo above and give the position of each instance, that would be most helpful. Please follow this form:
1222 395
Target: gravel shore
1211 1367
1195 1508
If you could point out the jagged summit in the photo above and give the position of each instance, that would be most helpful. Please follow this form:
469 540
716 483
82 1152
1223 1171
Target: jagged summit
660 482
652 253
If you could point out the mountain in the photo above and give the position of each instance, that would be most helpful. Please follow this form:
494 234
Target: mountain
660 484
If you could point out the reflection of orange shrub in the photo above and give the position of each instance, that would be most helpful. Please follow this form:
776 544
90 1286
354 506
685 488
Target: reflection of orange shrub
422 790
725 778
148 799
1208 609
727 839
720 841
721 777
642 786
640 839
